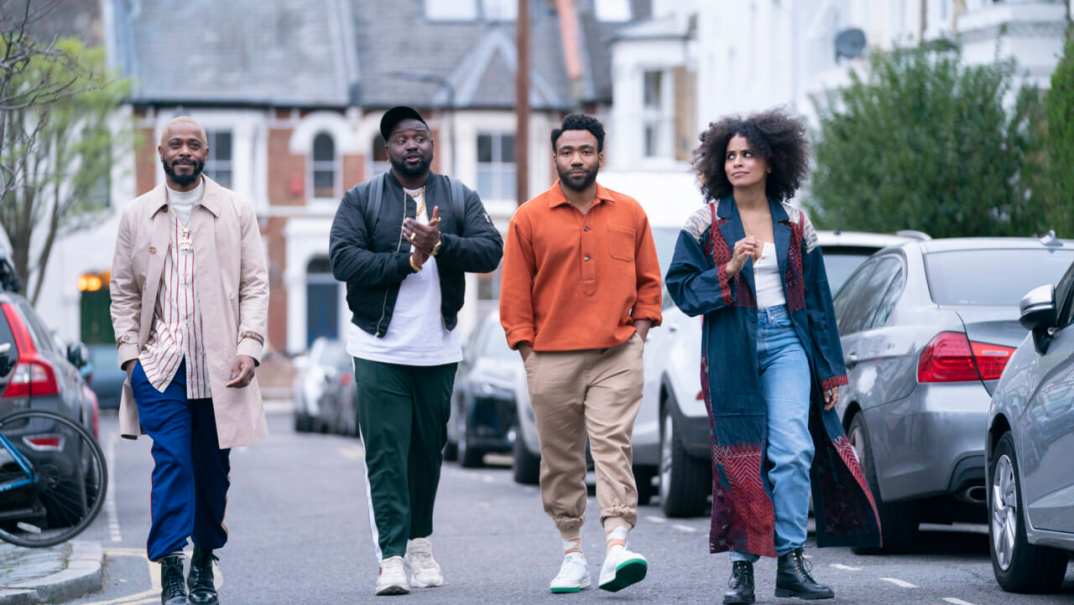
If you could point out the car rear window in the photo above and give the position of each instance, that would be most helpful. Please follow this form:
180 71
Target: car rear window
6 337
992 277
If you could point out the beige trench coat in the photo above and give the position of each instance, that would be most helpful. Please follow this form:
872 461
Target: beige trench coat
231 281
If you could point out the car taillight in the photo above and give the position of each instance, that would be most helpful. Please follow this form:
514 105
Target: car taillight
952 357
44 443
32 375
33 378
991 359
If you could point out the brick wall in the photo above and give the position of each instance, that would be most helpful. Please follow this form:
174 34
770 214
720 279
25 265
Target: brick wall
286 172
145 160
353 170
276 247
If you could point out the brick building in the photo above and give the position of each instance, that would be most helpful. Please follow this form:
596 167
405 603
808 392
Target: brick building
291 94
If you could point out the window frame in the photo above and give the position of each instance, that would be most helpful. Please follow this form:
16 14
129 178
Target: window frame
316 166
499 169
214 164
657 118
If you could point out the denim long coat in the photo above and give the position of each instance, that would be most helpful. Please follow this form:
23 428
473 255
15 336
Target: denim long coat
742 511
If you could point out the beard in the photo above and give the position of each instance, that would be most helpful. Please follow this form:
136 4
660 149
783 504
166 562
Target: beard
577 182
400 166
183 179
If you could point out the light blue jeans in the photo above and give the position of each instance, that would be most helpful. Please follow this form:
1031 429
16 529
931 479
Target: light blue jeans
785 387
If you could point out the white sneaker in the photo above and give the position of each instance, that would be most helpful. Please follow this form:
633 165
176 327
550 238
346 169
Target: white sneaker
424 570
621 569
392 577
573 575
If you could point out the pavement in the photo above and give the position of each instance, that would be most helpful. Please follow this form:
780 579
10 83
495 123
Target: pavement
299 534
49 575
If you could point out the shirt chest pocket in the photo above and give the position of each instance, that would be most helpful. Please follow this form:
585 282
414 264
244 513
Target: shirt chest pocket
621 243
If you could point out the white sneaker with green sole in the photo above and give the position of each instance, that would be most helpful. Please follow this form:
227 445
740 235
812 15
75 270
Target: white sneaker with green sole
621 569
573 575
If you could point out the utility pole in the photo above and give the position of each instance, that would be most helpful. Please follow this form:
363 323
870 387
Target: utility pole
522 104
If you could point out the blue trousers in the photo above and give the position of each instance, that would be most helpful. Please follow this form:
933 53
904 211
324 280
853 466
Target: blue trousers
785 385
190 471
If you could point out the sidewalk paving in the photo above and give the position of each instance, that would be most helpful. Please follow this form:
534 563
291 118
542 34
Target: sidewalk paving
49 575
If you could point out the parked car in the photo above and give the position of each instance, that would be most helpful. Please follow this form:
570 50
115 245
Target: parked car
483 404
927 329
1029 447
37 374
323 394
106 377
685 477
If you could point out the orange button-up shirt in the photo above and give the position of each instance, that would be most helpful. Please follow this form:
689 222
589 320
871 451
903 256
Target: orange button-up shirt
574 281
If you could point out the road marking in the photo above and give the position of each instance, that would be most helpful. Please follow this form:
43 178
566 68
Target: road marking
954 601
110 510
488 478
845 567
148 596
685 528
899 583
657 520
352 452
120 551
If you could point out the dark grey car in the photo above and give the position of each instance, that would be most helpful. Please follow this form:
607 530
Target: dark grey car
1031 448
927 328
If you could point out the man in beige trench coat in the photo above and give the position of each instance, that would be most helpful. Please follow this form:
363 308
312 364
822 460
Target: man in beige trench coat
189 305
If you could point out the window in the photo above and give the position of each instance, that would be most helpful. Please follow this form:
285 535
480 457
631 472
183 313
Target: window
655 115
218 162
856 304
380 162
886 306
496 166
323 166
451 10
613 10
1064 297
500 10
954 276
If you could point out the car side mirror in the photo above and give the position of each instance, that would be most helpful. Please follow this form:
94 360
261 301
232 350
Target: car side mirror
77 354
1037 314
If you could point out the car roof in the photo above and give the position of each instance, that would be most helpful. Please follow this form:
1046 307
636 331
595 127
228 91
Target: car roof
860 239
977 243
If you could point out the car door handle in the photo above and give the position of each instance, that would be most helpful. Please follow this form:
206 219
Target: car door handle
673 328
852 360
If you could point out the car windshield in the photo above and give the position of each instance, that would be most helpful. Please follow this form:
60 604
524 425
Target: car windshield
961 277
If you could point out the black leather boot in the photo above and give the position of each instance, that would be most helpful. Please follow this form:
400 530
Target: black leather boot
740 585
793 579
202 589
173 591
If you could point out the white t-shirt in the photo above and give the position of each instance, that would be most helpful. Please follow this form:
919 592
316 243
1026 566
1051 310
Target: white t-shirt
766 276
416 335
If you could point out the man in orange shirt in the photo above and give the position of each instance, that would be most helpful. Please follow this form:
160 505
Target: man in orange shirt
580 290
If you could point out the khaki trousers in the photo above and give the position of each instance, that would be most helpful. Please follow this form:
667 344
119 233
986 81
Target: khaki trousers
594 393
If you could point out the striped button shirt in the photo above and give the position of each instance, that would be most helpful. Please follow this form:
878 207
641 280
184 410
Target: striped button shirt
177 332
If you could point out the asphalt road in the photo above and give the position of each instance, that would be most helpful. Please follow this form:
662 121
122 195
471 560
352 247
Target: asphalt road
300 535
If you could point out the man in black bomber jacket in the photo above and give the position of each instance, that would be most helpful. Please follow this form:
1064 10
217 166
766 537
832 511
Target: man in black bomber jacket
402 243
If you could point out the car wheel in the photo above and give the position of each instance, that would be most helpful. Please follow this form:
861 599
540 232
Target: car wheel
685 481
525 466
643 479
898 520
469 457
1018 565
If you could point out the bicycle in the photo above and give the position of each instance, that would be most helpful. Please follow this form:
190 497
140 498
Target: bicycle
47 495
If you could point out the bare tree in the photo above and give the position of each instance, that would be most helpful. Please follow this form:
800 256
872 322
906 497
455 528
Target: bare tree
56 98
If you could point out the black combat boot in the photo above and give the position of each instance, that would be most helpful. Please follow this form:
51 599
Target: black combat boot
740 585
793 579
173 592
202 589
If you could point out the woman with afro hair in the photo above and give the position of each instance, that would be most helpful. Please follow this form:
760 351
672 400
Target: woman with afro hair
748 261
